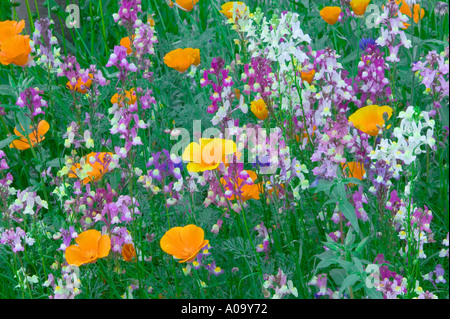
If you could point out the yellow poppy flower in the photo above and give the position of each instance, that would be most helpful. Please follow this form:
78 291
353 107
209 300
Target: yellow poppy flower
369 119
22 143
183 243
227 9
208 154
91 245
330 14
259 108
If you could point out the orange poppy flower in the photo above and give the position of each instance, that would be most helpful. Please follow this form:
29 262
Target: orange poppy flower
10 28
130 98
80 86
185 5
259 108
330 14
126 43
15 50
370 118
248 191
308 76
91 246
227 9
353 169
22 143
208 154
99 164
128 252
183 242
182 59
405 9
359 6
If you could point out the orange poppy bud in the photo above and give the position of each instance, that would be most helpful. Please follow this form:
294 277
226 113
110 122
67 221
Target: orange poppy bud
259 108
23 144
330 14
91 245
183 243
308 76
237 93
15 50
128 252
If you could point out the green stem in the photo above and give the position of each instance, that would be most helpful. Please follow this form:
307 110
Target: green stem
103 27
30 17
37 9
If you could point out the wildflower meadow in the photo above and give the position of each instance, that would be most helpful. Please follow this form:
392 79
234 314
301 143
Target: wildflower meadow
204 149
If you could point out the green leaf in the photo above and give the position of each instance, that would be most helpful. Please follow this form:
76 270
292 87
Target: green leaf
56 162
350 238
323 186
349 281
347 265
358 264
8 141
372 293
6 90
338 275
362 244
24 123
327 262
353 180
349 212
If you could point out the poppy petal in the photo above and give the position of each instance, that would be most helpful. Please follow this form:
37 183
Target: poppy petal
88 240
104 246
75 256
